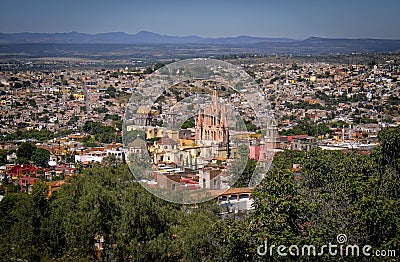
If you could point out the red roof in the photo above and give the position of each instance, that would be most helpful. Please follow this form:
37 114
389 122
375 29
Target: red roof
189 181
289 138
25 169
27 180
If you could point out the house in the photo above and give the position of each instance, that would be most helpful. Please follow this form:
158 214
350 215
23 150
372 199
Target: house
23 170
118 153
236 199
137 146
87 159
261 151
210 178
169 182
54 186
166 150
153 132
28 181
304 143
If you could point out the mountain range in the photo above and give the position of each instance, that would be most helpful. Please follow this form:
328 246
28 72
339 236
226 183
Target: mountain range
142 37
144 42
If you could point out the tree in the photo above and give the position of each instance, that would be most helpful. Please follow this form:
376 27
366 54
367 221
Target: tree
134 223
304 127
247 173
250 126
18 239
3 157
352 194
25 151
111 91
239 164
279 210
278 217
148 70
102 134
158 65
89 141
73 120
189 123
390 147
41 157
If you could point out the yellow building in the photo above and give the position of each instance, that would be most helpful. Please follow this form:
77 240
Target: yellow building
80 97
313 78
153 132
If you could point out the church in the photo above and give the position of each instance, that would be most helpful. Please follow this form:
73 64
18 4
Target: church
211 130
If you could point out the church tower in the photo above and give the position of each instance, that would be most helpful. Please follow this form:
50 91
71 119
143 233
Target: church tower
211 124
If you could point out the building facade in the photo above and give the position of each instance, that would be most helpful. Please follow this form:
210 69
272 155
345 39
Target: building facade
211 129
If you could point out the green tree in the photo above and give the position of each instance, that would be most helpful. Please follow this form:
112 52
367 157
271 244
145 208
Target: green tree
390 147
3 157
351 194
134 223
189 123
158 65
247 173
148 70
111 91
41 157
279 210
25 151
18 234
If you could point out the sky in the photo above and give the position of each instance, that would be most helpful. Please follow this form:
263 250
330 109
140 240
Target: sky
296 19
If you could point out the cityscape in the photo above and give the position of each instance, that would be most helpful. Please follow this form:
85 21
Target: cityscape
155 135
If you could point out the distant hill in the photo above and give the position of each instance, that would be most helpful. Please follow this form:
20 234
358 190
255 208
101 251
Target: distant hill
355 45
152 45
318 45
143 37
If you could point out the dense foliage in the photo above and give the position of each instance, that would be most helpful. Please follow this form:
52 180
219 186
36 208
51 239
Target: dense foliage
104 202
101 133
27 152
334 193
304 127
42 135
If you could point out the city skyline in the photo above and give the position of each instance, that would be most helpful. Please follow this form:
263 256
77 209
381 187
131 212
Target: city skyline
292 19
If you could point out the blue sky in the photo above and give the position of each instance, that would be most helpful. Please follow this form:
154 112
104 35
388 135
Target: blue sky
272 18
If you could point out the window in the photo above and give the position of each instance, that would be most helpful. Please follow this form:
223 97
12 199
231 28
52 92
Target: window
233 197
222 198
244 196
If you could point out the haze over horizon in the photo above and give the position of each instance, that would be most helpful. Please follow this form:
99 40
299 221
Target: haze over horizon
285 18
205 37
